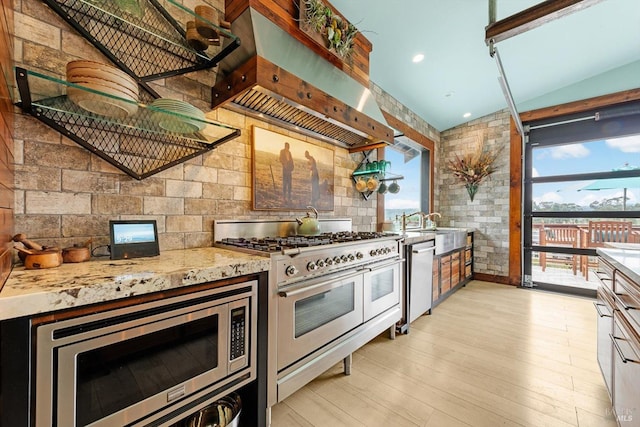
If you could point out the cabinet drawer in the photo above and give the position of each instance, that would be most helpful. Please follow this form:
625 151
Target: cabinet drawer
469 240
467 271
604 309
605 273
467 256
627 299
445 274
626 373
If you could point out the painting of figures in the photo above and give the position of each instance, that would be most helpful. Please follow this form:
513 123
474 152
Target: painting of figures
290 174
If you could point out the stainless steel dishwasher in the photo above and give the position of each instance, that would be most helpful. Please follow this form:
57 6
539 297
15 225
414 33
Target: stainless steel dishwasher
419 278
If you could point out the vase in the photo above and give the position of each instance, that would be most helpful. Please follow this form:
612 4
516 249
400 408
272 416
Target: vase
472 189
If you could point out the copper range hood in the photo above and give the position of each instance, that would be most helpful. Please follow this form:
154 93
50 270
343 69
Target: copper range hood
276 78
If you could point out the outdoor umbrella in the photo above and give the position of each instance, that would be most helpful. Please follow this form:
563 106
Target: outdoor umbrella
613 184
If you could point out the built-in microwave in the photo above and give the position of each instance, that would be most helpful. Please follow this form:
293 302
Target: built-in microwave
131 365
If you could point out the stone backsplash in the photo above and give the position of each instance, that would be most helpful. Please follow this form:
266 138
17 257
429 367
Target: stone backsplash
64 194
488 214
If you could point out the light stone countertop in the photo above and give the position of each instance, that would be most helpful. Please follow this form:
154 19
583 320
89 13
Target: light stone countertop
412 237
625 260
29 292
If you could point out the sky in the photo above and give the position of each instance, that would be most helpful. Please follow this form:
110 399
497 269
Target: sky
409 195
595 156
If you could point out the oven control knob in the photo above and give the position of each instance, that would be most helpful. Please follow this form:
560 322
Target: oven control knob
387 250
373 252
291 270
312 266
344 258
337 260
379 251
320 263
328 261
351 257
359 255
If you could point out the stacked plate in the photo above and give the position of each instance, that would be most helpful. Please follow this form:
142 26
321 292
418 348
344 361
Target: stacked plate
105 79
178 116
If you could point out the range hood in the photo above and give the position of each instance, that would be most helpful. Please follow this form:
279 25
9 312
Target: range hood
275 77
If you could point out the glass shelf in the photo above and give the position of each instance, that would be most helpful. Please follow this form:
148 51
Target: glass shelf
140 139
147 39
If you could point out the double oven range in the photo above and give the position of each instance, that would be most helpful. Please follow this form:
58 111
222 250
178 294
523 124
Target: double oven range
328 294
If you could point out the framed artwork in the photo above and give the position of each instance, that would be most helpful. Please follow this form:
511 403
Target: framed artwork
290 174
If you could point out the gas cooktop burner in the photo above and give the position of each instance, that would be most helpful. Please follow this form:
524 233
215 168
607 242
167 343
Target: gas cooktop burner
276 244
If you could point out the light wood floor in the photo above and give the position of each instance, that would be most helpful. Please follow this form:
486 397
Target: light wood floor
490 355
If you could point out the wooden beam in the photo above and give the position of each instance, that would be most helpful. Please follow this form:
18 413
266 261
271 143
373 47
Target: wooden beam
533 17
368 147
421 139
515 205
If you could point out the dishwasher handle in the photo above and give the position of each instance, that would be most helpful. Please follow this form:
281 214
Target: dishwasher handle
419 251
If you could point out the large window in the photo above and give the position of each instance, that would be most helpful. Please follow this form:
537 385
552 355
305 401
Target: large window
582 192
411 161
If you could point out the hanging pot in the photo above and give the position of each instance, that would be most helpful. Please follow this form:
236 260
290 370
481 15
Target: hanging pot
309 226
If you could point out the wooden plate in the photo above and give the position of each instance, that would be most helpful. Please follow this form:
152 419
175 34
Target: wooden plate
99 104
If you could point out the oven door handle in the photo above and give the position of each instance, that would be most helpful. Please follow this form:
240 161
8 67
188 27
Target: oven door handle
378 267
324 283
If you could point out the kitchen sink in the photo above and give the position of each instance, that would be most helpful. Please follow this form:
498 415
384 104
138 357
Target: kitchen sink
449 239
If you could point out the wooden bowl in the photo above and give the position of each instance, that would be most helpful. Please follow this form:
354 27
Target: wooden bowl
47 258
76 254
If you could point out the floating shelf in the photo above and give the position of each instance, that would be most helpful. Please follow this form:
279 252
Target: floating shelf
141 144
148 45
386 175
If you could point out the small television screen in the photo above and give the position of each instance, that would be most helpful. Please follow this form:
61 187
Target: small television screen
133 239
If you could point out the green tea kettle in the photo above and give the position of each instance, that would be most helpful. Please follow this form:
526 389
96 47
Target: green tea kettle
309 226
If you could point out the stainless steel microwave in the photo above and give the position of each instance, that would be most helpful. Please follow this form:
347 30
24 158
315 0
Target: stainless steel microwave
122 366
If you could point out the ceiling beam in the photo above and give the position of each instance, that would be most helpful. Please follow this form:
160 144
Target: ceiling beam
533 17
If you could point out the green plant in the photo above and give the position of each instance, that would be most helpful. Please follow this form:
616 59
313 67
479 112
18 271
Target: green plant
338 33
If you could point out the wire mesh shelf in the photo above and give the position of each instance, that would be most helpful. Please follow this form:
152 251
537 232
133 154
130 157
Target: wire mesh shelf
147 42
139 139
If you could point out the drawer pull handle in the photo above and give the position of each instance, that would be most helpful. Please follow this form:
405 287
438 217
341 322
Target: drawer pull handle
600 314
624 358
624 303
602 276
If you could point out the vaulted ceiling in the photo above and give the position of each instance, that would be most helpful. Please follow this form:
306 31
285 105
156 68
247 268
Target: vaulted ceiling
592 52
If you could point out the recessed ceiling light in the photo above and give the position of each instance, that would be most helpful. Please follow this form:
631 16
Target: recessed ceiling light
465 115
418 57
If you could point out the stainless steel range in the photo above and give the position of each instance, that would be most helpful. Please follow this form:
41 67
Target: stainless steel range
328 294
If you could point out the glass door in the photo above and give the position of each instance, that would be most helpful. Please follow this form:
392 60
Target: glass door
581 192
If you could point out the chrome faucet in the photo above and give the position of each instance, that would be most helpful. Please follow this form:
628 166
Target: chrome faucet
428 222
405 216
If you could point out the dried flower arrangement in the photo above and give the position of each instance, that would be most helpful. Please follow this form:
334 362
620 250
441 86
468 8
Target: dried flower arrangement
337 32
473 167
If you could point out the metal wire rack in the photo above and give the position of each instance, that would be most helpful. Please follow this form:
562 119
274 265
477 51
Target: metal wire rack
149 45
137 144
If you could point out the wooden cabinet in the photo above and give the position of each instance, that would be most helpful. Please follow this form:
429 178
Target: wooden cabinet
618 341
445 273
455 267
452 270
436 278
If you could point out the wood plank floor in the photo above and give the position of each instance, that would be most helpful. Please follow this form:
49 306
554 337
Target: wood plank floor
490 355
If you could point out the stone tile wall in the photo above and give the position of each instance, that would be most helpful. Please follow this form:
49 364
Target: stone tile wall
488 214
65 194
